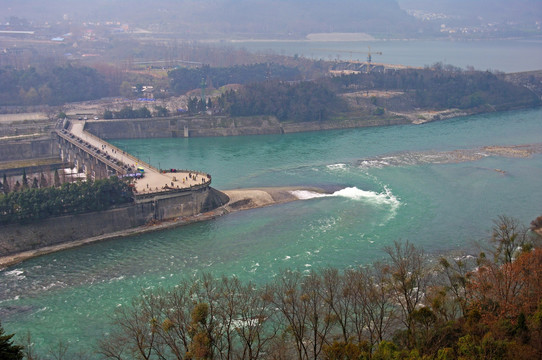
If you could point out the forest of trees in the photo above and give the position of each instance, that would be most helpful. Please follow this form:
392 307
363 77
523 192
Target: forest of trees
56 86
320 100
300 101
268 88
34 203
443 87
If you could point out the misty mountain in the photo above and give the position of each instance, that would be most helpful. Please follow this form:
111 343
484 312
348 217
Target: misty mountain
291 18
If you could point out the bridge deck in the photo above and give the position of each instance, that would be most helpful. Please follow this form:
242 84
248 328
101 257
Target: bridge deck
153 180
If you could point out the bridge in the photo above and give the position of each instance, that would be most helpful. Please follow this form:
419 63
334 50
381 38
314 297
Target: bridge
99 159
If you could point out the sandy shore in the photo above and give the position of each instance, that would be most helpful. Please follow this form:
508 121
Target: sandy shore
240 199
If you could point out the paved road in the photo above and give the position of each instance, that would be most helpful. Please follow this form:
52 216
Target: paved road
153 180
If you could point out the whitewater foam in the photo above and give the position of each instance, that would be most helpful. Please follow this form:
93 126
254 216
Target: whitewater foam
383 199
306 195
353 193
17 274
339 166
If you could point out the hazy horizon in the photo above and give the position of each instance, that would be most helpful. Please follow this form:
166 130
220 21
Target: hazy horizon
281 18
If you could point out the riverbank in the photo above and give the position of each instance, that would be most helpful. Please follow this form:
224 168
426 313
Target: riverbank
240 199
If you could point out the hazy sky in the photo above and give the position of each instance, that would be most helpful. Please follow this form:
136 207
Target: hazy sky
381 18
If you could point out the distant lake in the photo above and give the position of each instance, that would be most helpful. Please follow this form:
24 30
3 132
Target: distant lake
502 55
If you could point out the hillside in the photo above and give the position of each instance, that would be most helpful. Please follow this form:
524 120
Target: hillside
277 19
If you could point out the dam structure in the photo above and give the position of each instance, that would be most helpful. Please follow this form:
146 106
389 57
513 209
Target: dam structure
158 195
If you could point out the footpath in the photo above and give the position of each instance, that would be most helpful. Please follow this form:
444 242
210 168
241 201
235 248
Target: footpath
153 180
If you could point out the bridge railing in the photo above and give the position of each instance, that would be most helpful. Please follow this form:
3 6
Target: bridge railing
88 148
142 197
124 153
149 193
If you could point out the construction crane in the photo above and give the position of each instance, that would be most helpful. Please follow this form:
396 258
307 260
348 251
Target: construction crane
370 58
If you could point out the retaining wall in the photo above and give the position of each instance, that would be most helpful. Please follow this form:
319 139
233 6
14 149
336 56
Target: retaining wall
183 127
221 126
28 149
23 237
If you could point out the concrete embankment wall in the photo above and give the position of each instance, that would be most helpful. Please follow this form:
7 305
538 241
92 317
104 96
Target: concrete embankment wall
17 238
183 127
28 149
220 126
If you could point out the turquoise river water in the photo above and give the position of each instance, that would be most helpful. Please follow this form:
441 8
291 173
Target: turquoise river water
385 184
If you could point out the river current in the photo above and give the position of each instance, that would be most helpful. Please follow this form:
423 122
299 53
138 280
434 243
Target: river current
435 184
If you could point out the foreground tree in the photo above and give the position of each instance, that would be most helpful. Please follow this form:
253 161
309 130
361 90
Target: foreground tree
9 351
509 237
205 318
408 279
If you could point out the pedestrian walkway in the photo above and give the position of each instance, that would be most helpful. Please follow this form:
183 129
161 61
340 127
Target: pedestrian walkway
153 179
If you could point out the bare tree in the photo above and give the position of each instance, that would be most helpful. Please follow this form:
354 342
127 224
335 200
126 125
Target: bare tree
29 348
508 237
378 306
175 308
257 324
309 318
450 298
227 305
320 317
338 297
135 335
408 279
286 297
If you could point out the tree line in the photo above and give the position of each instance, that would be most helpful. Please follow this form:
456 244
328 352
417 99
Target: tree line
288 101
443 87
270 88
321 100
128 112
35 203
59 85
